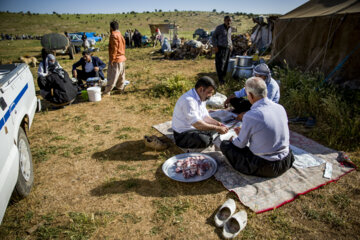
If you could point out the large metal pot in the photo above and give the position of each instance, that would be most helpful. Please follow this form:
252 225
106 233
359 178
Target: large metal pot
242 72
244 61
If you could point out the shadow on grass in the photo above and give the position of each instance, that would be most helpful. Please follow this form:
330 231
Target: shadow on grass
162 186
125 151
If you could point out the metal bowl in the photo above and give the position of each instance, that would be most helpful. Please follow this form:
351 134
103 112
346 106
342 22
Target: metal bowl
244 61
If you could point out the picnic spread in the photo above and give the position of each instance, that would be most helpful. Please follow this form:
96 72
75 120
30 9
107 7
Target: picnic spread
264 194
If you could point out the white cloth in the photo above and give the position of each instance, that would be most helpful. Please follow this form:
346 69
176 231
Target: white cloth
188 110
304 159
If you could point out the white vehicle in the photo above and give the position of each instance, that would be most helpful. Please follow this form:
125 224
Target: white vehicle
17 109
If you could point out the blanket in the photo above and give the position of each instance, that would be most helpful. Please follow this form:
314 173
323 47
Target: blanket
264 194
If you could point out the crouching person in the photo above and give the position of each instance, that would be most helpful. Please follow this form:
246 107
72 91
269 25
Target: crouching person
56 86
193 127
262 146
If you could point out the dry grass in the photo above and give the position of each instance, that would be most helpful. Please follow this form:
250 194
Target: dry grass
94 178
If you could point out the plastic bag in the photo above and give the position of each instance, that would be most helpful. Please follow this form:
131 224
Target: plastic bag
216 101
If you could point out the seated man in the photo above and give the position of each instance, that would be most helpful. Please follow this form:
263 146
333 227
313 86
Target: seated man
241 104
91 67
262 146
193 127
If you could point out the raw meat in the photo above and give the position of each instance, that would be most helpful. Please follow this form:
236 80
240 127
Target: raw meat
192 166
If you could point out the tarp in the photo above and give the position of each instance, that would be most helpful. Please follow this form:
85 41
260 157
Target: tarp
321 35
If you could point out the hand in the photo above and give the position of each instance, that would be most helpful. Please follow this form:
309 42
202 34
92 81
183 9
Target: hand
74 74
227 101
237 130
240 116
96 69
222 129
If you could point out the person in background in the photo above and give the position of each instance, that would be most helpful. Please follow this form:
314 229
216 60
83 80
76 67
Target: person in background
116 71
91 67
84 39
176 43
221 40
137 38
126 36
241 104
262 145
193 126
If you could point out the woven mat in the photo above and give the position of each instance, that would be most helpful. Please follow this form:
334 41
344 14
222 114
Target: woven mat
264 194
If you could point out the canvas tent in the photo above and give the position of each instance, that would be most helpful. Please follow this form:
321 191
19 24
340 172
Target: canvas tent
324 35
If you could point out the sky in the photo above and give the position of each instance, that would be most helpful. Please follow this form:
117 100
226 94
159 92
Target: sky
119 6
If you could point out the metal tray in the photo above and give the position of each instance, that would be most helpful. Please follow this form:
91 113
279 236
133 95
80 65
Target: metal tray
169 167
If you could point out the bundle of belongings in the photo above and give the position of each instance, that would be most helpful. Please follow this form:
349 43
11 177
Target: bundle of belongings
241 44
57 87
189 50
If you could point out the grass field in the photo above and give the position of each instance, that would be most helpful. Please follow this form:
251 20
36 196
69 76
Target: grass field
94 178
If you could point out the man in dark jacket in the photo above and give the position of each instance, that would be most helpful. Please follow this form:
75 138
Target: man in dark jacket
91 67
221 40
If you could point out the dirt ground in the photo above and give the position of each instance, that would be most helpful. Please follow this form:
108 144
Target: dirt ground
95 179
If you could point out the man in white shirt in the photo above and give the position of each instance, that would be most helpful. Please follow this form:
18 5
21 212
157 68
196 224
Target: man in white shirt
193 127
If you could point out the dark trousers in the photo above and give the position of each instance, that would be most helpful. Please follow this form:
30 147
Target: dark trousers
221 62
244 161
240 105
194 139
82 75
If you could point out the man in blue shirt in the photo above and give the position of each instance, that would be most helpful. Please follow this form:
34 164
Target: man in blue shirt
193 126
262 145
91 67
241 104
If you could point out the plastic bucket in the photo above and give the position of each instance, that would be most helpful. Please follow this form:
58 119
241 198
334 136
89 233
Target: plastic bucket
94 94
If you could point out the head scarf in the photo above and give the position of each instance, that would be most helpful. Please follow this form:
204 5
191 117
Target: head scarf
263 70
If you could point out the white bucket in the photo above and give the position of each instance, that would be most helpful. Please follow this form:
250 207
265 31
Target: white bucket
94 94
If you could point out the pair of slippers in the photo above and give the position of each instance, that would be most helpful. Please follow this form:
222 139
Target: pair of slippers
231 222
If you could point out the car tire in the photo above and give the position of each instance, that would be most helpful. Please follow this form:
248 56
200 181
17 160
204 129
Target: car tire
26 172
71 51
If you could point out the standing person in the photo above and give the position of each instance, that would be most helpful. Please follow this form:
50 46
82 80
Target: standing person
262 147
84 39
116 71
126 36
193 126
221 40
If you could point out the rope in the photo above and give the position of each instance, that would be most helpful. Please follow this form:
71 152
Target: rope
272 58
325 46
340 64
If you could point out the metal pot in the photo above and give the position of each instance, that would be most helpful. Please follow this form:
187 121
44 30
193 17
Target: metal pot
244 61
242 72
231 65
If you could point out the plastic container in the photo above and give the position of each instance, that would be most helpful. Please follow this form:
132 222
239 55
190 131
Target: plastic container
231 65
84 95
94 94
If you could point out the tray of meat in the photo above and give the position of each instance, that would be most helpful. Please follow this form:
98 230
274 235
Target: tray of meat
190 167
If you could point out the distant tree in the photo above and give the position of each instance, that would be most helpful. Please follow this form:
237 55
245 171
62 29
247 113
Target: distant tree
132 12
28 13
175 10
54 12
214 10
222 12
123 12
160 10
155 10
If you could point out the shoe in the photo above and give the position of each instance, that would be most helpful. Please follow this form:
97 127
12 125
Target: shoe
225 212
310 122
298 120
235 224
155 143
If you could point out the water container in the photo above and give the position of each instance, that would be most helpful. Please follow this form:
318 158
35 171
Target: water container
94 94
231 65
